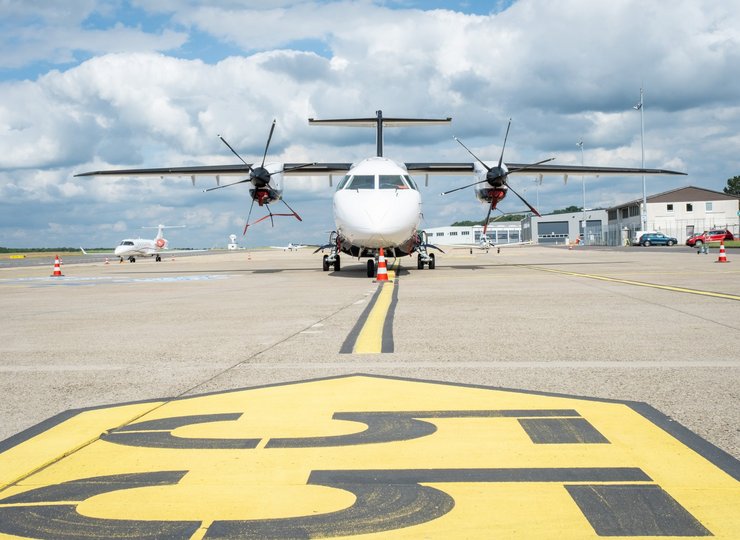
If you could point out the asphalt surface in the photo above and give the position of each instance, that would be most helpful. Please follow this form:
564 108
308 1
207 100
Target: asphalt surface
546 319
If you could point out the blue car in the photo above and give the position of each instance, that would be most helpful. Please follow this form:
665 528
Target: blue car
657 239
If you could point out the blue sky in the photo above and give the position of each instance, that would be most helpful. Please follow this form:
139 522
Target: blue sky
97 84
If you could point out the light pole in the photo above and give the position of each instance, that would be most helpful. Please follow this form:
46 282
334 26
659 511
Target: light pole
583 186
640 107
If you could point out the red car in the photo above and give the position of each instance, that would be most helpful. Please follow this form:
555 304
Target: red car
716 235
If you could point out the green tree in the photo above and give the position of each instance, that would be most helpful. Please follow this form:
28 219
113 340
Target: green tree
568 210
733 186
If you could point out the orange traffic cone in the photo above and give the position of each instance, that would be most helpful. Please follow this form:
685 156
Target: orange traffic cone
722 257
382 269
57 267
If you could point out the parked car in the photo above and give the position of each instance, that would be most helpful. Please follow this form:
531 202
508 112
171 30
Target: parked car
715 235
657 239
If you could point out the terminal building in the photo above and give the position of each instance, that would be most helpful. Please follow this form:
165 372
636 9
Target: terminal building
678 213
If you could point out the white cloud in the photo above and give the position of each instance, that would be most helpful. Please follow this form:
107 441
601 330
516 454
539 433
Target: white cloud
563 71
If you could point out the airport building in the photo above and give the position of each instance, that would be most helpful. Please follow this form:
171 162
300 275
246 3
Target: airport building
566 227
503 232
678 213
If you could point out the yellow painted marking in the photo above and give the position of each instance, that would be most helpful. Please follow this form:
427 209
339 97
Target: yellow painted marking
272 483
370 338
639 283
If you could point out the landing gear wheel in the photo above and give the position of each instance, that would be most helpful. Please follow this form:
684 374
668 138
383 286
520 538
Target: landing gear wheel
431 261
336 264
132 259
371 268
158 259
419 263
326 263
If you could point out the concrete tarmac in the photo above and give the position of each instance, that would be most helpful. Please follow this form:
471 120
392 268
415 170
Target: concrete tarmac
587 322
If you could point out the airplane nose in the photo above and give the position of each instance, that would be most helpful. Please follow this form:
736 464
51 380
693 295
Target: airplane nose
379 218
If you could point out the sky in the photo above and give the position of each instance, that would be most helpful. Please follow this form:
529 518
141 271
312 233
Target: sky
95 84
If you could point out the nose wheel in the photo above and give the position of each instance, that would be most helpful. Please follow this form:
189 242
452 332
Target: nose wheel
327 262
429 261
371 268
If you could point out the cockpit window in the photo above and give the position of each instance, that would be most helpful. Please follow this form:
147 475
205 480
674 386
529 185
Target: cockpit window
362 181
126 243
392 181
343 183
411 182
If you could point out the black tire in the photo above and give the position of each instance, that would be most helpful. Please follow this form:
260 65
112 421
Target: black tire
326 263
431 261
419 263
670 243
698 243
337 266
158 259
371 268
646 243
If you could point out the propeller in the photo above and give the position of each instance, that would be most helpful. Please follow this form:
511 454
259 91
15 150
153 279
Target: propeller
497 177
260 177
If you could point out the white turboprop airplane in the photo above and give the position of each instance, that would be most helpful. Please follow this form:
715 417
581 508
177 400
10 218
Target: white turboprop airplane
377 204
130 248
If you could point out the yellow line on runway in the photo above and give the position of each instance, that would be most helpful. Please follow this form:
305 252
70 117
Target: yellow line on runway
639 283
370 338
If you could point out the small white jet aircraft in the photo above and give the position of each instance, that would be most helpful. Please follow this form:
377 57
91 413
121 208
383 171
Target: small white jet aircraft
290 247
377 204
130 248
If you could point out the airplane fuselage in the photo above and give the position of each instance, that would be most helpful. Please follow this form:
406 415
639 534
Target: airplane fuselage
377 204
139 247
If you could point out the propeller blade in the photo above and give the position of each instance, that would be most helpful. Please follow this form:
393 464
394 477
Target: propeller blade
235 152
289 169
227 185
267 146
530 165
463 187
501 158
472 154
246 225
532 208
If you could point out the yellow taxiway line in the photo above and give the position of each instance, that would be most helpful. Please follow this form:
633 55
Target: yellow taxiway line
370 338
639 283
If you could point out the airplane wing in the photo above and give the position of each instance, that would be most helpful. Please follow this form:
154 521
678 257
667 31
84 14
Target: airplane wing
225 170
441 168
463 168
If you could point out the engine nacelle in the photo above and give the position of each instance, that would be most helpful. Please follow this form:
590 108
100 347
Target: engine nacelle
272 191
493 183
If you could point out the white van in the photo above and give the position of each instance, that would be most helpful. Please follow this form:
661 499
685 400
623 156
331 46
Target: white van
638 234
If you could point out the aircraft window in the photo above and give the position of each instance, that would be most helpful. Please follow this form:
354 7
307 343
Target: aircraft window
127 243
392 181
362 181
342 183
411 182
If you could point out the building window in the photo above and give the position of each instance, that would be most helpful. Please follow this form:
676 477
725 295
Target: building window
440 234
453 233
612 215
669 207
634 210
624 213
708 206
689 207
465 233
